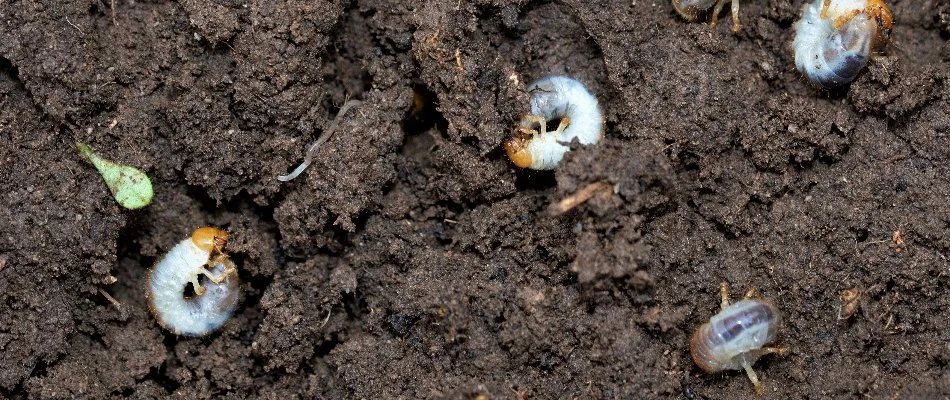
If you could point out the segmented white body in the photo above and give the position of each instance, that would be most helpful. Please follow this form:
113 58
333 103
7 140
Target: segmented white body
555 97
725 342
691 8
200 314
832 56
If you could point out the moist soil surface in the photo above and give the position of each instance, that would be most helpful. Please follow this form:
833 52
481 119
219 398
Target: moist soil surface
412 259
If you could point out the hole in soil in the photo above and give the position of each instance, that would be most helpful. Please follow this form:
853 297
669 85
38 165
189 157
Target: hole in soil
354 306
423 129
533 180
901 186
422 114
7 68
160 377
470 141
400 324
861 235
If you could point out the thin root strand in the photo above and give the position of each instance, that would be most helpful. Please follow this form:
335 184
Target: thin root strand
312 150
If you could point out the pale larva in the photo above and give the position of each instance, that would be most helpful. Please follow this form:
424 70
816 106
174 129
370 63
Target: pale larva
214 300
736 337
835 38
555 98
690 10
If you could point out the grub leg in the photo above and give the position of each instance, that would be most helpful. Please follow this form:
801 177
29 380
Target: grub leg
715 14
824 9
536 120
751 293
753 377
769 350
228 270
565 121
724 293
735 16
199 290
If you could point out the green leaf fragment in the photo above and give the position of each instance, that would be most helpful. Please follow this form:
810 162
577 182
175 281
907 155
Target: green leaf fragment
130 186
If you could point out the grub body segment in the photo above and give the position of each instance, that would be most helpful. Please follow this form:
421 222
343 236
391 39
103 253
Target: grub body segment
834 39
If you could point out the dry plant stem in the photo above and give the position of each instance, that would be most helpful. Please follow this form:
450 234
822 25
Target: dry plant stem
312 150
576 199
115 303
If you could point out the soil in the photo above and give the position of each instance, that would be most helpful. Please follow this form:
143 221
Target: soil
412 260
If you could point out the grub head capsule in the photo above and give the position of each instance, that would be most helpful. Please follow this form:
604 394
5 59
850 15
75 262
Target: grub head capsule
208 238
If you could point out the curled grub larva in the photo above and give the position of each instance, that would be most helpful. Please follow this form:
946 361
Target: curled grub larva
555 98
214 299
835 38
690 10
736 337
312 150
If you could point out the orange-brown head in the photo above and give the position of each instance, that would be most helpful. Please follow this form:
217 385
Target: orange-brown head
518 152
878 11
210 238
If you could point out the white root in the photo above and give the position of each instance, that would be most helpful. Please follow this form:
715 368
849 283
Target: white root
312 150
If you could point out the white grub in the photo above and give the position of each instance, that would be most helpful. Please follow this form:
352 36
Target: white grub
736 337
555 98
690 9
312 150
214 300
835 38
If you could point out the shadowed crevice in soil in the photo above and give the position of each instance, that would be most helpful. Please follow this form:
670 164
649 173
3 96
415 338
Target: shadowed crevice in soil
8 69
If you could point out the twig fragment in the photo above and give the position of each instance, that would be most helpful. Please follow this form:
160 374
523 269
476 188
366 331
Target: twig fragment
115 303
602 189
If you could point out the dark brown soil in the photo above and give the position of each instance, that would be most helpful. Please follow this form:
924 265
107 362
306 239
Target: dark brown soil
412 260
